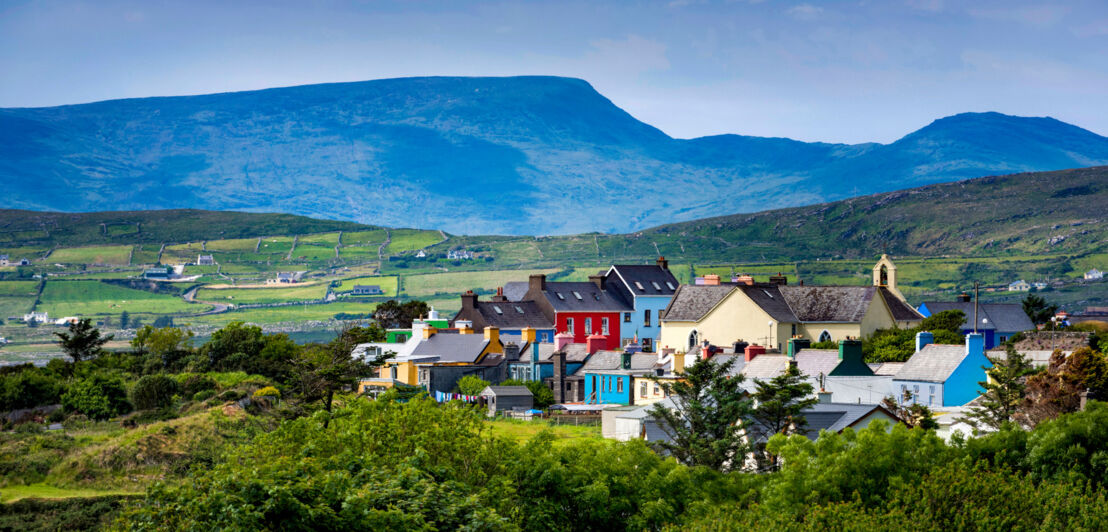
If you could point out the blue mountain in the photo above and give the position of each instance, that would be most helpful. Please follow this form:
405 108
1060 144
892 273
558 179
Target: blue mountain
518 155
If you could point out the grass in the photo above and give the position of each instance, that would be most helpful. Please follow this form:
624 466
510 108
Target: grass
388 284
364 238
313 252
459 282
323 239
14 306
263 295
82 298
18 288
411 240
275 244
287 314
232 244
92 255
521 431
44 491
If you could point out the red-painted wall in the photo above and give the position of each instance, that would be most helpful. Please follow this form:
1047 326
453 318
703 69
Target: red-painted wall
579 332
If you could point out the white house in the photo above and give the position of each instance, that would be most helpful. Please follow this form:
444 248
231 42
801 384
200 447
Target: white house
1094 275
1019 286
41 317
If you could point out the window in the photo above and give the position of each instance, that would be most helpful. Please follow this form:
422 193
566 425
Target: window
497 309
794 329
401 338
604 326
569 325
392 372
931 398
903 393
626 317
577 295
519 310
619 385
825 336
608 383
657 389
647 345
693 340
1003 339
639 286
560 296
656 286
670 285
646 318
642 389
588 325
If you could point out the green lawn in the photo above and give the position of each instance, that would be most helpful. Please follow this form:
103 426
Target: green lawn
242 296
275 244
411 240
122 229
92 255
521 431
289 313
15 306
43 491
313 252
18 288
232 244
145 254
83 298
364 238
386 282
322 239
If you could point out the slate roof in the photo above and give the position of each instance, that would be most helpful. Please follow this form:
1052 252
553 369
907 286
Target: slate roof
563 296
765 367
612 361
653 279
901 310
736 367
887 368
1005 317
834 417
546 352
505 391
770 299
515 290
452 347
933 363
813 362
829 303
692 302
513 314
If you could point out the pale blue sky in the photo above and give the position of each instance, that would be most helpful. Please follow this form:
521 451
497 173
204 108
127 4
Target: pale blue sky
832 71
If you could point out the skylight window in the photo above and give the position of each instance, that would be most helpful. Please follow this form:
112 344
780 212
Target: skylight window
657 286
497 309
560 296
670 285
767 293
577 295
519 310
639 286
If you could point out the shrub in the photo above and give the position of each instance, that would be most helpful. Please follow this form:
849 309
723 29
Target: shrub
471 385
232 395
194 384
98 396
153 391
268 391
203 395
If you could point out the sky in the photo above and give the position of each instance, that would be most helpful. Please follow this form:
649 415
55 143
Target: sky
858 71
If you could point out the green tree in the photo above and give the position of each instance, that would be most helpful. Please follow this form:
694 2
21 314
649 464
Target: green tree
233 347
471 385
1038 309
153 391
98 396
542 395
910 412
82 341
393 314
163 321
779 404
163 342
1004 391
1073 444
709 415
323 370
124 319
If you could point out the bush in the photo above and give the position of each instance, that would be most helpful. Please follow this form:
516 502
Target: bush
232 395
98 396
471 385
268 391
203 395
194 384
153 391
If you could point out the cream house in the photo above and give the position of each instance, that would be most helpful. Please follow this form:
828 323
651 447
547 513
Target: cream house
771 313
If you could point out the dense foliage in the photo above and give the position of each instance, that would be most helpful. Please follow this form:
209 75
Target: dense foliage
897 345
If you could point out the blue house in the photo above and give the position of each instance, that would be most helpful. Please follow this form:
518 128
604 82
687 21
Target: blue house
609 375
942 375
997 322
648 288
536 360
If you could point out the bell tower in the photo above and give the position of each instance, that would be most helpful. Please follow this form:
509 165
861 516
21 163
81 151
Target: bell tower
884 275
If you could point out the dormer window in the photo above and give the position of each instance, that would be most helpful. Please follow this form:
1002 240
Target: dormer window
560 296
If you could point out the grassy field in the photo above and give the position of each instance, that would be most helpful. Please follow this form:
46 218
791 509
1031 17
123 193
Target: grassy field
364 238
323 239
18 288
459 282
387 283
275 244
521 431
83 298
44 491
92 255
288 313
242 296
232 244
411 240
145 254
313 252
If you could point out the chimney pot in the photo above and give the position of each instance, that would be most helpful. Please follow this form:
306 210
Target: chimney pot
561 340
662 263
594 342
711 280
753 351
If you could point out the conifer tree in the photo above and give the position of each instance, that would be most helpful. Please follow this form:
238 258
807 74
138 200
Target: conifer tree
1004 391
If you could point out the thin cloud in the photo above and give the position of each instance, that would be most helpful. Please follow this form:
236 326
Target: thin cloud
805 12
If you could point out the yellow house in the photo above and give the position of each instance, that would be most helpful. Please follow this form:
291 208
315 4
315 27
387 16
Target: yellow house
770 313
433 348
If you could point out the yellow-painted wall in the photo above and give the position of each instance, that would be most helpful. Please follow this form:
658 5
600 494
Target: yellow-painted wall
735 318
405 372
654 391
838 331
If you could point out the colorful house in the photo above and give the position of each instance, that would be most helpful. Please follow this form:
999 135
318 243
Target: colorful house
943 375
399 336
648 288
580 309
609 376
511 317
996 321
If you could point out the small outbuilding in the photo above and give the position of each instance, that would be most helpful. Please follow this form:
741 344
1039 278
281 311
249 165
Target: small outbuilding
501 398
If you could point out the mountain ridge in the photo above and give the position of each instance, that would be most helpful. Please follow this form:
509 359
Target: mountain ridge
517 155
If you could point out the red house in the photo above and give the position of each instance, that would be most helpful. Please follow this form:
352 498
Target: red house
580 308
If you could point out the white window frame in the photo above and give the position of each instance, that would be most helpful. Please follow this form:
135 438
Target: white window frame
604 326
569 326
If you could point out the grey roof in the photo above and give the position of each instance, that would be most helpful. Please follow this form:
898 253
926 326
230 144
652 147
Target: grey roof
736 367
563 296
765 367
515 290
692 302
834 417
506 391
513 314
858 389
452 347
546 351
651 278
1005 317
612 361
770 299
814 362
887 368
933 363
829 303
901 311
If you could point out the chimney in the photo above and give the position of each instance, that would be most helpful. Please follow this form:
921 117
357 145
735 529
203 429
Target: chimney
824 396
739 347
469 300
744 279
850 350
975 344
559 377
499 297
678 360
429 331
963 298
527 334
492 334
922 339
753 351
598 280
795 345
625 360
594 342
536 282
561 340
778 279
711 280
511 352
662 263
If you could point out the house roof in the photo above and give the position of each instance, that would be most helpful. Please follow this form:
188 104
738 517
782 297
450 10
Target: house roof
646 279
452 347
513 314
816 362
829 303
736 367
504 391
769 298
765 367
546 352
515 290
1006 317
692 302
834 417
933 363
901 311
612 361
583 297
886 368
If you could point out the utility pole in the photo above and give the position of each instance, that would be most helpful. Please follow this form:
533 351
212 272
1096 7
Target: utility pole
976 296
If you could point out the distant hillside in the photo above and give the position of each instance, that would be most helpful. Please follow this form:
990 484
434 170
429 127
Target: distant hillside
28 228
519 155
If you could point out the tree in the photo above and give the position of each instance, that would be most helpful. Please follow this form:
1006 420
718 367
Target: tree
1038 310
395 315
234 346
83 341
323 370
124 319
98 396
910 412
709 414
897 345
1057 390
163 321
471 385
153 391
162 342
778 406
1004 391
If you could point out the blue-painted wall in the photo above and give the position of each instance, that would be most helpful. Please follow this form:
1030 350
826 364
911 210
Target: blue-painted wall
992 338
609 386
545 369
962 386
638 325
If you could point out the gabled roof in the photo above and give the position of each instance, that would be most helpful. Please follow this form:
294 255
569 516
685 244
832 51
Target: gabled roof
646 279
901 311
692 302
816 362
834 417
846 304
1006 317
515 290
765 367
546 352
769 298
612 361
933 363
513 314
887 368
452 347
507 391
583 297
736 367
